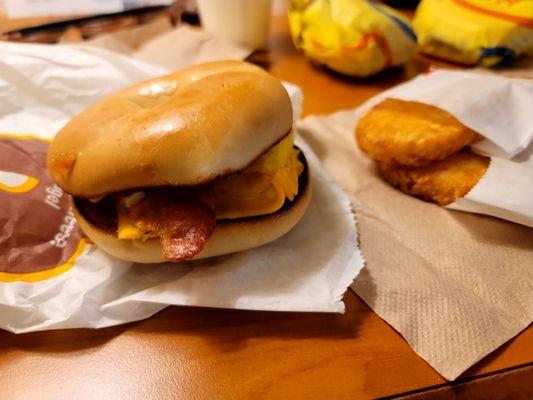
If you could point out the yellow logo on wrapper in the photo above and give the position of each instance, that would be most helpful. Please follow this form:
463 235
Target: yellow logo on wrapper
45 274
17 183
44 240
25 137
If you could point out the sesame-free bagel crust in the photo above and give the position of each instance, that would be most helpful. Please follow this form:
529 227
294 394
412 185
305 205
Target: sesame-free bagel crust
183 129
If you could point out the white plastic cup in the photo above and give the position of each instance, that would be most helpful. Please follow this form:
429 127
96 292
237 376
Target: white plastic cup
245 23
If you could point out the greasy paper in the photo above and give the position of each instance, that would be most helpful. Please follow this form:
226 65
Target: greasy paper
455 285
78 285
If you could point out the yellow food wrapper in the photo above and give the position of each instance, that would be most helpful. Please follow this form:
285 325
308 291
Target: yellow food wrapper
470 32
353 37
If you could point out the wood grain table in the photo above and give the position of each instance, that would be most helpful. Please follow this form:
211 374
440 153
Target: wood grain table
198 353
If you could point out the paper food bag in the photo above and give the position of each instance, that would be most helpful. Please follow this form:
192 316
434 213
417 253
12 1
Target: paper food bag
499 109
51 277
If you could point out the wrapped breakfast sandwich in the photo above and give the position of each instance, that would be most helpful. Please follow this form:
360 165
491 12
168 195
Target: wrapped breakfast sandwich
194 164
52 276
352 37
484 32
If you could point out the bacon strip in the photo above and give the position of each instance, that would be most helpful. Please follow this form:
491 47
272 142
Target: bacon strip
184 228
179 217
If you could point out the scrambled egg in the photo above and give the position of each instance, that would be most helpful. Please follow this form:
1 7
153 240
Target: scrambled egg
263 186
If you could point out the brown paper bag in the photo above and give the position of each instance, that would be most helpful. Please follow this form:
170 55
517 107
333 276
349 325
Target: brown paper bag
455 285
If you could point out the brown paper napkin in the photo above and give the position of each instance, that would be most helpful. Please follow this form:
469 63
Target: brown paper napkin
455 285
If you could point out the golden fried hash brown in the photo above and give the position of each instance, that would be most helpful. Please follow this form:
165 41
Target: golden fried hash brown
411 133
440 181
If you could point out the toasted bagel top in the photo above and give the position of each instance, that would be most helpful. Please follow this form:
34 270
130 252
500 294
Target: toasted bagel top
185 128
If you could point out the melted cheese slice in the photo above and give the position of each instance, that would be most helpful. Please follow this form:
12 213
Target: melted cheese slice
263 187
131 224
131 229
258 190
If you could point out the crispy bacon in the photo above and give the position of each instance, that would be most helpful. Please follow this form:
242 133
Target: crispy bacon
180 218
184 228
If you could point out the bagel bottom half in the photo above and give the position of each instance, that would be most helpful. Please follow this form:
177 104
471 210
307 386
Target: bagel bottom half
229 236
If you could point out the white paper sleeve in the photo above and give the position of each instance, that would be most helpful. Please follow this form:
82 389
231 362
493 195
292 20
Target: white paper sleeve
498 108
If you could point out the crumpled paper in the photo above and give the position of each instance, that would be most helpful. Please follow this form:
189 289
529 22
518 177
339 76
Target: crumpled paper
455 285
498 108
308 269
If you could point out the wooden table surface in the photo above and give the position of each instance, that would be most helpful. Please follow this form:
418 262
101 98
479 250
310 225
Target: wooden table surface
198 353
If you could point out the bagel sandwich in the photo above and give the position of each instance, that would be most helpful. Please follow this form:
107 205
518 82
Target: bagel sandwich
194 164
